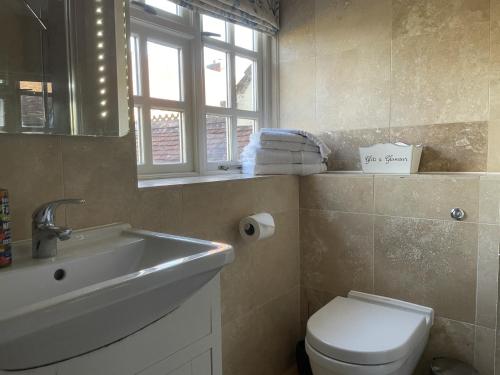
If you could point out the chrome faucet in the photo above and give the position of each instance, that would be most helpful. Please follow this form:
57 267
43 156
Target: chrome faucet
44 231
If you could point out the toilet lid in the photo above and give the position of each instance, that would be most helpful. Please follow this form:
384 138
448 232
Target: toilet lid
364 333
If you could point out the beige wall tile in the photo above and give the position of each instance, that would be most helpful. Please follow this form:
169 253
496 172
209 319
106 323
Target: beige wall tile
263 340
345 143
346 25
276 194
428 262
487 277
337 251
353 88
495 95
495 39
337 192
103 172
436 73
202 210
298 94
494 124
312 300
296 36
459 147
448 338
215 209
253 278
417 17
489 199
484 350
441 77
157 210
353 49
426 196
32 173
495 10
344 165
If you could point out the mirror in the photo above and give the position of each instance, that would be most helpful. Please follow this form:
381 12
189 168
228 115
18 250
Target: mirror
63 67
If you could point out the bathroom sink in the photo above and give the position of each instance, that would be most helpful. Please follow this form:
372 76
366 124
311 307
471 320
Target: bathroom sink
105 284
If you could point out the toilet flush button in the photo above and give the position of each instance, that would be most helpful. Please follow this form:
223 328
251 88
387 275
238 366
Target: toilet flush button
457 214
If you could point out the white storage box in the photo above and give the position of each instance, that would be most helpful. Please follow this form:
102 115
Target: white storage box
396 158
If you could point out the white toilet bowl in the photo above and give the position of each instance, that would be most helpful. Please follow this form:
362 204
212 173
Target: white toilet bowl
366 334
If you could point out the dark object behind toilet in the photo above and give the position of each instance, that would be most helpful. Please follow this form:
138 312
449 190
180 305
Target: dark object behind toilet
303 364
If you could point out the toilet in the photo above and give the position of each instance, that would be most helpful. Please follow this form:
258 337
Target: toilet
365 334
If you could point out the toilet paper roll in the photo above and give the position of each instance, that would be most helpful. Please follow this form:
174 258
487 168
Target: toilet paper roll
257 227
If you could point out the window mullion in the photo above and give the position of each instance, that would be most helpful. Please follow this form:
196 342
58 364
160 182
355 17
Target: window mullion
230 32
232 131
146 107
147 134
269 101
234 138
199 98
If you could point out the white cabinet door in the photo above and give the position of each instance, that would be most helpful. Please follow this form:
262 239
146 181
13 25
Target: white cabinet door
202 365
184 370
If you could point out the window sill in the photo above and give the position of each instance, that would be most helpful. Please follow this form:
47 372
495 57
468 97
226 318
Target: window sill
190 180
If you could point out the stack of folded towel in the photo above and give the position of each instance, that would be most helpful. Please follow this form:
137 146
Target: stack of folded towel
284 151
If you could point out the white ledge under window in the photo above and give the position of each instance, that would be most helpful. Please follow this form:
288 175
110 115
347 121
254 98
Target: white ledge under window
189 180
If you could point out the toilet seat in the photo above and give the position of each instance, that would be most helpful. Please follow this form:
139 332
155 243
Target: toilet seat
368 330
337 367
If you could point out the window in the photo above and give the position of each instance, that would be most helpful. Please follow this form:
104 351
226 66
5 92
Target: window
35 97
2 113
162 109
198 89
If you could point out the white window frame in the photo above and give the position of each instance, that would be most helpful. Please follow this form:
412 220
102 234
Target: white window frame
231 111
145 103
184 30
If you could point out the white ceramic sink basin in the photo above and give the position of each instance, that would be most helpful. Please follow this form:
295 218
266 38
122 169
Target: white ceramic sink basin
113 281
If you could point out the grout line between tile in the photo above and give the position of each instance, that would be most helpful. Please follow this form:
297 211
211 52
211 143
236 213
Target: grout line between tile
398 216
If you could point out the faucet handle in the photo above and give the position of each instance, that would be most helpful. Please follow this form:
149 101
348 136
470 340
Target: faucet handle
46 213
63 233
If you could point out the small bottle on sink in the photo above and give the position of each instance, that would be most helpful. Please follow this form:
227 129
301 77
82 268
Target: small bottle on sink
5 233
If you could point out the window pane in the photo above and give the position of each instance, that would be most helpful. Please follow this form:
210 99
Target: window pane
2 113
244 37
167 142
32 86
215 77
245 83
32 111
134 55
139 143
164 5
164 72
216 26
244 129
217 138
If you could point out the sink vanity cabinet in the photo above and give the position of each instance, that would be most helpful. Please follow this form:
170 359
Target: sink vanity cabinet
185 342
115 300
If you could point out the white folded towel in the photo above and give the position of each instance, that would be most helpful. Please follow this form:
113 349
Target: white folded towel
269 156
274 135
323 148
286 146
284 151
298 169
